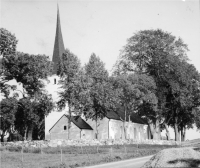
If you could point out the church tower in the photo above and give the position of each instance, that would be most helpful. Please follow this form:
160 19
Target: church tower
53 86
59 48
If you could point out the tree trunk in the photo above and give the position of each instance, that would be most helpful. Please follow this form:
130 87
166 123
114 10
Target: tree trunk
69 121
25 133
2 137
177 133
183 132
96 128
30 133
167 131
125 122
155 129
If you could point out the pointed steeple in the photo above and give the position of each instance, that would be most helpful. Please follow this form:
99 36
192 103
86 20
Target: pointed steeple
58 45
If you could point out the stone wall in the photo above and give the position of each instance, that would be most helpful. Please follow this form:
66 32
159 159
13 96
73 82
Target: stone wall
58 142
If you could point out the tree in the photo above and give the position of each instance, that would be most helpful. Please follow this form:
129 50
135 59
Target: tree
155 53
69 72
7 114
43 106
132 91
97 101
30 71
184 95
30 115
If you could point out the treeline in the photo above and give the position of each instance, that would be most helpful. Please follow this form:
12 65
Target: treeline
152 78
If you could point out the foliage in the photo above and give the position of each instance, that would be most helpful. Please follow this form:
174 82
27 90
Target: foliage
96 91
97 101
7 114
69 71
31 113
27 70
196 113
185 96
8 42
162 56
43 106
133 90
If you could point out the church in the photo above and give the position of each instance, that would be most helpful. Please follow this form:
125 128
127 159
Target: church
110 127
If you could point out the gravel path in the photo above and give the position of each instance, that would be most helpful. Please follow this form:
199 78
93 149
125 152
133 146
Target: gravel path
175 157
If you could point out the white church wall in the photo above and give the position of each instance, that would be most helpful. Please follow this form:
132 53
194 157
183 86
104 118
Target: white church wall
53 87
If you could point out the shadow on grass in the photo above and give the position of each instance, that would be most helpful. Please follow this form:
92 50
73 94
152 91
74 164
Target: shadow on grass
189 162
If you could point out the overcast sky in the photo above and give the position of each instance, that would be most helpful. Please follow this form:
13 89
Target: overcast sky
101 27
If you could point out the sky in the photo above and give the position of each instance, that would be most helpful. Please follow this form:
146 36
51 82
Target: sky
101 27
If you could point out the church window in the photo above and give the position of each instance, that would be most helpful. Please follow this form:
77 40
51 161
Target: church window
65 127
54 80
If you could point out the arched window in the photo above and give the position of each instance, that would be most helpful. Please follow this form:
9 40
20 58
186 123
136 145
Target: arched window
54 80
65 127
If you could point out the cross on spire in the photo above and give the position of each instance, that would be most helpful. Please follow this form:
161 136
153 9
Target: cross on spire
59 48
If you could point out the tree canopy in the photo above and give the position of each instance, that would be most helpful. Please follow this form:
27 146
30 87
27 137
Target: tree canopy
23 114
162 56
8 42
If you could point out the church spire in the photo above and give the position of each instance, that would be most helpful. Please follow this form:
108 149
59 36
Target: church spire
58 44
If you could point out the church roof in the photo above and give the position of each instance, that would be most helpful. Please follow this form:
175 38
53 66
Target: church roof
77 120
119 115
59 48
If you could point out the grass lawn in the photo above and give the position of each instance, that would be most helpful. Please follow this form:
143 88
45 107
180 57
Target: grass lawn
73 156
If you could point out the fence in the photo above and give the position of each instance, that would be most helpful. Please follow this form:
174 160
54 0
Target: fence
72 156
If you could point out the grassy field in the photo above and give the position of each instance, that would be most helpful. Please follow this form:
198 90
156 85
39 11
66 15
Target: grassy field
70 157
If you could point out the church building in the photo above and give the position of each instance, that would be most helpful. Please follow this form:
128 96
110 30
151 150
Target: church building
111 127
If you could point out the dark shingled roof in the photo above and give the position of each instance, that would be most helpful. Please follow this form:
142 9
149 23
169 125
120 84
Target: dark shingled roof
119 115
59 48
78 121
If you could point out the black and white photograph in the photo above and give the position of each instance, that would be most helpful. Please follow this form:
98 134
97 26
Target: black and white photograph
99 83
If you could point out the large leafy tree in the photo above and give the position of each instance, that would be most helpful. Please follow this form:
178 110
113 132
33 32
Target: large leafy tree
157 54
70 79
29 71
184 97
97 89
